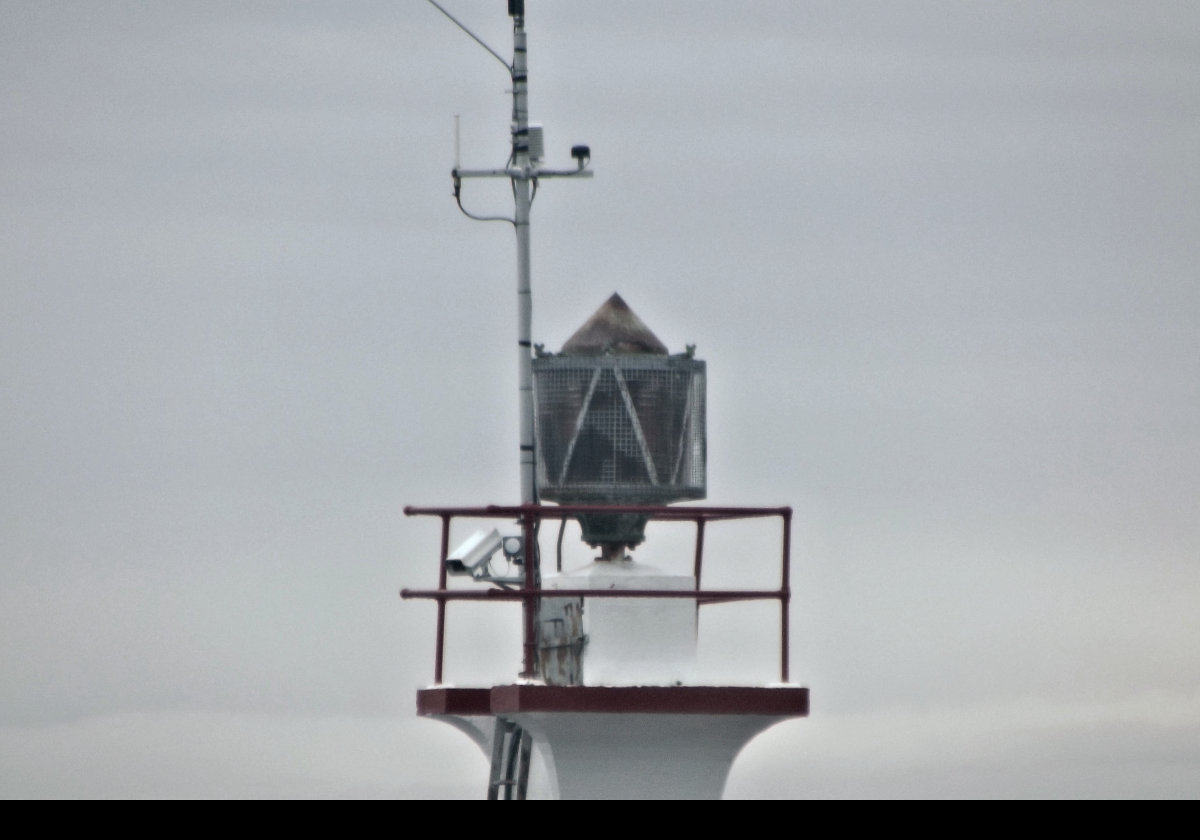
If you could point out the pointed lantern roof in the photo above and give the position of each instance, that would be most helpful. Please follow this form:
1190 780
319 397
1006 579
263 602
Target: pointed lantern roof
613 328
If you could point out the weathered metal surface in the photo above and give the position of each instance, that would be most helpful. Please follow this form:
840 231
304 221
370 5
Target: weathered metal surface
613 328
620 429
561 641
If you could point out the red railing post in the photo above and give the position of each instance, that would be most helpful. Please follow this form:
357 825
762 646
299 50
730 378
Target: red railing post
441 606
786 593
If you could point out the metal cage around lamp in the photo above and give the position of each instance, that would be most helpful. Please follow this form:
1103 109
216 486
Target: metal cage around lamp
624 425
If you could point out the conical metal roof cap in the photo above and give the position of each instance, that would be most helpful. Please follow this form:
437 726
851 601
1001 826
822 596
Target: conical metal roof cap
613 328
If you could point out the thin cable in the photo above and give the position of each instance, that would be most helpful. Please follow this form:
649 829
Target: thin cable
478 40
562 526
532 195
468 213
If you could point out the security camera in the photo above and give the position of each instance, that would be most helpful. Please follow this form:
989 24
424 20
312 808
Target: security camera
474 557
474 553
582 155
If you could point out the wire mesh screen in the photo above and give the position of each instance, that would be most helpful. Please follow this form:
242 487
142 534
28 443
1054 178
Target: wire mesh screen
621 429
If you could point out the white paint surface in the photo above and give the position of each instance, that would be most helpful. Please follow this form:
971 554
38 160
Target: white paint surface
642 756
634 641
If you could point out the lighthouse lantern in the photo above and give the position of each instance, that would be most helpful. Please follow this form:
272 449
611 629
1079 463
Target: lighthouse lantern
618 421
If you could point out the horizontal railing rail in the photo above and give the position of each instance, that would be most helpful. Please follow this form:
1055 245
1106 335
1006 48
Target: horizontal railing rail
530 516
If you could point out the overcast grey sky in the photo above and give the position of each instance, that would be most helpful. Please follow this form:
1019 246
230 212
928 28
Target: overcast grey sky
941 259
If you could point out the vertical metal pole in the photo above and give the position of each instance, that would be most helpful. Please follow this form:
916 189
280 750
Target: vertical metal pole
521 182
533 581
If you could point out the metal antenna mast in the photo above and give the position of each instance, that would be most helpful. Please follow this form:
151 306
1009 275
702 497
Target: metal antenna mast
524 170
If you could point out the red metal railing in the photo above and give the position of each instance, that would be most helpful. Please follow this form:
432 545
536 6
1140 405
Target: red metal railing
530 515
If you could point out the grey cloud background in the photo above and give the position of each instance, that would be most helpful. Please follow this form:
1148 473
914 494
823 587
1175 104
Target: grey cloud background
940 258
